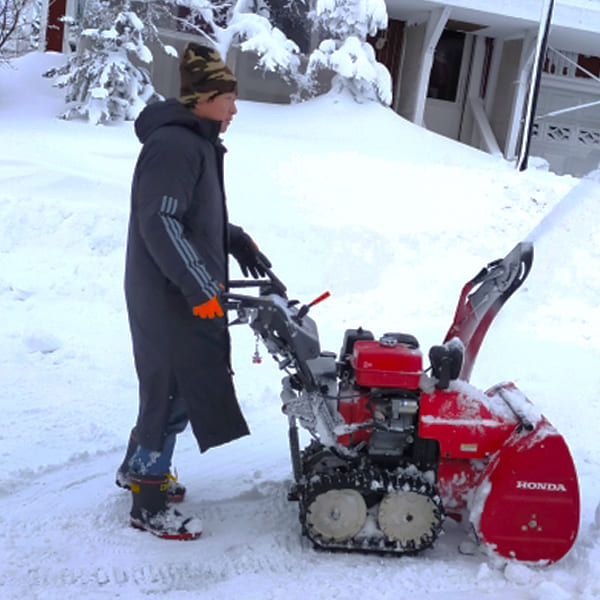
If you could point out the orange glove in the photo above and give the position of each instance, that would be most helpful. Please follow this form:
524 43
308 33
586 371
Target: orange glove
208 310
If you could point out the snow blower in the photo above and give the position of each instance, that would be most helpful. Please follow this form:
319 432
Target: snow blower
397 448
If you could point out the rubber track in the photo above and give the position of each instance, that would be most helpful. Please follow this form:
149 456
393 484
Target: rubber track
372 483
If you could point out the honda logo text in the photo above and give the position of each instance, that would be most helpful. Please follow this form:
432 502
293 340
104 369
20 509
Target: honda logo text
538 485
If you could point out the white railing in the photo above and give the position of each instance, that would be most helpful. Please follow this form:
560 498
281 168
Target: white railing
560 63
567 134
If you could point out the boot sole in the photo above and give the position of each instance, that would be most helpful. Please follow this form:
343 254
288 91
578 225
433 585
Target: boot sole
165 536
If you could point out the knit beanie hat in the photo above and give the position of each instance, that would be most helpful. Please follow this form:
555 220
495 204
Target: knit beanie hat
204 75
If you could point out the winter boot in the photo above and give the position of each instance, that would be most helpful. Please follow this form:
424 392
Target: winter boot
176 490
151 511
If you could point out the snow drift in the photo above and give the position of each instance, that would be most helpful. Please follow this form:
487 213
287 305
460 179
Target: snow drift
351 198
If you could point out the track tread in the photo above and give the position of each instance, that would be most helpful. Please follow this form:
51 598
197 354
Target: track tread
372 482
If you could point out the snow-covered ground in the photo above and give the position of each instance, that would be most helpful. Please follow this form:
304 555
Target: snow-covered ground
342 197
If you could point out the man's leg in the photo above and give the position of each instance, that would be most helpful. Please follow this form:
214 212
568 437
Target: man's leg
156 463
153 487
142 461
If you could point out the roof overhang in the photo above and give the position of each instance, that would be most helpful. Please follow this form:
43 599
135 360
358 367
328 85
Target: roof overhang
575 23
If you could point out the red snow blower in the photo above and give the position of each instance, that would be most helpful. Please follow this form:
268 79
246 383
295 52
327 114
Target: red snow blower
395 448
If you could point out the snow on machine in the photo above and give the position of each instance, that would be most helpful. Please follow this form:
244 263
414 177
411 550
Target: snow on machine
396 448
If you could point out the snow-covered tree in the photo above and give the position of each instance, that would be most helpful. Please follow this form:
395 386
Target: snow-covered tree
344 26
291 16
19 26
105 79
243 23
102 81
93 14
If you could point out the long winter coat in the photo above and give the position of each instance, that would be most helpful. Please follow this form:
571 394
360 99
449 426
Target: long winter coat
177 252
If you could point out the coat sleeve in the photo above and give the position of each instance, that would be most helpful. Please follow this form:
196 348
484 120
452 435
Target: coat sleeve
236 235
163 189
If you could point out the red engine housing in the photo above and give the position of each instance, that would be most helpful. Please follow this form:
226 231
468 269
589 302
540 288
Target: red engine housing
387 364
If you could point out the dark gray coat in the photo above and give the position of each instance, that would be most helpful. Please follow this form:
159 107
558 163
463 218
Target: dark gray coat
177 251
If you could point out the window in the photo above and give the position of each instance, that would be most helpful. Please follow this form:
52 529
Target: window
445 72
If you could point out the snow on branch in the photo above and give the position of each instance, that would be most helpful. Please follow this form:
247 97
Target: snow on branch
102 81
345 25
244 23
345 18
275 51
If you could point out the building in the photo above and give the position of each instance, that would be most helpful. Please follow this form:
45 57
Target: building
462 68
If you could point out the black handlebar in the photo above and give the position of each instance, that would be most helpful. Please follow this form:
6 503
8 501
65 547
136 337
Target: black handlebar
278 285
271 285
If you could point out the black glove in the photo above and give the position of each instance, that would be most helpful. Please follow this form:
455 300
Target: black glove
249 257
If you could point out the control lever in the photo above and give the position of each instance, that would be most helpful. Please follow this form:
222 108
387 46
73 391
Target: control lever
304 310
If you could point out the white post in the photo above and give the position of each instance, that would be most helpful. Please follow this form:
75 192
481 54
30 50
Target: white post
514 123
435 26
476 66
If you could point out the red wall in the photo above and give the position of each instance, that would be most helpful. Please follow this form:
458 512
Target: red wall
56 28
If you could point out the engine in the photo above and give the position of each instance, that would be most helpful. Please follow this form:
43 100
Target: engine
379 399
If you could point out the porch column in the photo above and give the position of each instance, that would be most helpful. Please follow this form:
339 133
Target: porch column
435 26
519 96
420 41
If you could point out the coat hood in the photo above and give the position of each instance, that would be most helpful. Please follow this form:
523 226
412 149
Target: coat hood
172 112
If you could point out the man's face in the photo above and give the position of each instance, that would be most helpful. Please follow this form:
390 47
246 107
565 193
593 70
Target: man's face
221 108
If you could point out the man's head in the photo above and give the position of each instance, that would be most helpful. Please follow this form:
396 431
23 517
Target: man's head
208 87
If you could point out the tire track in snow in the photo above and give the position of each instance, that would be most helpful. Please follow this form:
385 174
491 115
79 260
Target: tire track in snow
58 524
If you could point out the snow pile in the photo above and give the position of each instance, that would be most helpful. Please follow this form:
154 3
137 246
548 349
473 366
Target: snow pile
350 198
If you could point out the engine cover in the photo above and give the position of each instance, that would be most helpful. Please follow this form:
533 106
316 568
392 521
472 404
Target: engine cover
387 363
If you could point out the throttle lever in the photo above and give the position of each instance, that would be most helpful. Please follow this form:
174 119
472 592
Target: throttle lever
304 310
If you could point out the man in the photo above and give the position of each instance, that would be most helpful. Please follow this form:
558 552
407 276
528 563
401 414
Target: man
176 269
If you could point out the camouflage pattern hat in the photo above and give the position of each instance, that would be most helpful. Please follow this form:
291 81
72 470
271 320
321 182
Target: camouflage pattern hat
204 75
